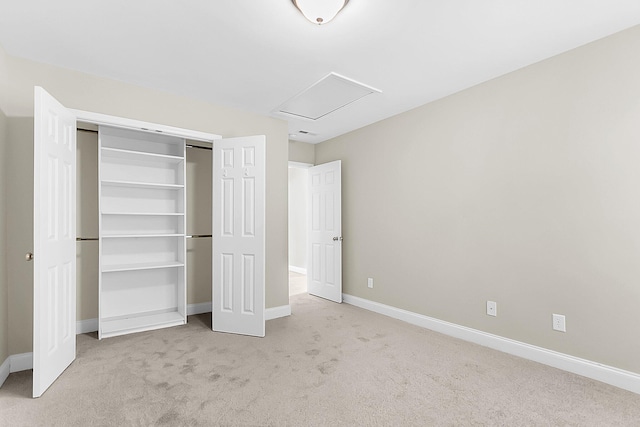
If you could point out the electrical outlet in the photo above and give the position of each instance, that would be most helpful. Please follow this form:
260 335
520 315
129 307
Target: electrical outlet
370 282
492 308
559 323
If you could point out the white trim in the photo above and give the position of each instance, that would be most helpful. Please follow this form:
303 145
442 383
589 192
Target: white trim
269 313
298 270
104 119
300 165
20 362
597 371
86 326
203 307
91 325
5 370
276 312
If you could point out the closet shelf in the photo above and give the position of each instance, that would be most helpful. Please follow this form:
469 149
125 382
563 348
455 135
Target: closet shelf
145 213
142 205
112 327
132 184
132 236
118 153
140 266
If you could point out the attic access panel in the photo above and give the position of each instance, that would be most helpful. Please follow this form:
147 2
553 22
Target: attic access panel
327 95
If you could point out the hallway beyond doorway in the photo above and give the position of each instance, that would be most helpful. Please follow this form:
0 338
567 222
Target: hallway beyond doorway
297 283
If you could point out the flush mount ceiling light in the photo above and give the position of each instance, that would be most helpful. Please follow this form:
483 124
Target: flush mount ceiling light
320 11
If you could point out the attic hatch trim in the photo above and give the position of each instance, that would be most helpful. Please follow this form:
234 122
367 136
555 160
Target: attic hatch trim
329 94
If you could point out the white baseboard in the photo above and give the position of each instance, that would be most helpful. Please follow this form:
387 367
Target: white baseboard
86 326
298 270
276 312
21 362
269 313
203 307
597 371
5 370
91 325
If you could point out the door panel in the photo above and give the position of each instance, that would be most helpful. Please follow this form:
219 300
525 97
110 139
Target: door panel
54 287
324 274
238 235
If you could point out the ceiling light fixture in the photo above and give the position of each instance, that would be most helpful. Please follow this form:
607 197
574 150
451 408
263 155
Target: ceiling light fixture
320 11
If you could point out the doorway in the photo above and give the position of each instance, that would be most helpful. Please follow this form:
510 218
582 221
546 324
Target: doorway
298 227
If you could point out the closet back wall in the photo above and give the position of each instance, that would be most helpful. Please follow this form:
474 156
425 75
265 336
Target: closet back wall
199 200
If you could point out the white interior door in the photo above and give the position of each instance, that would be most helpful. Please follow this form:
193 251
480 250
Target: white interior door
238 235
324 272
54 241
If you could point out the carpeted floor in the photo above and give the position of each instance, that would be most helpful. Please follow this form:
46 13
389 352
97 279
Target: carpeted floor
297 283
326 365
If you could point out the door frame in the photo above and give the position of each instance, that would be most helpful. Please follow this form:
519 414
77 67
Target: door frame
122 122
100 119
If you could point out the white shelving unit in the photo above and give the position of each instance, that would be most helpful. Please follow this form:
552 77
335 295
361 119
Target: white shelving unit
142 282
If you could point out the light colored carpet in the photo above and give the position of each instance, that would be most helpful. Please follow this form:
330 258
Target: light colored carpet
325 365
297 283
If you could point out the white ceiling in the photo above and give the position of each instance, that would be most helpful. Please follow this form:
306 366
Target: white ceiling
257 54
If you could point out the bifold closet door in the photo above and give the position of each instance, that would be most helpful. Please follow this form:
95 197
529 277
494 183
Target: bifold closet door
54 241
238 235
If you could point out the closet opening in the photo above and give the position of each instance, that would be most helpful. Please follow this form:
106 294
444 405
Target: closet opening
198 188
134 180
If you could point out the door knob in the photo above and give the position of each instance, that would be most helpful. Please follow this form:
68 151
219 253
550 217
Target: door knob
29 256
337 238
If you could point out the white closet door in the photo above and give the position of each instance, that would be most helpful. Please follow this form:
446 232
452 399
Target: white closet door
54 241
238 235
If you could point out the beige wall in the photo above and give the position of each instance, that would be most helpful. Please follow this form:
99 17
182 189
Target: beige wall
522 190
4 284
85 92
301 152
20 233
298 217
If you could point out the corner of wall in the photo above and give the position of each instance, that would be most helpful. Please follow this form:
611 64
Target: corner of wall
4 79
4 287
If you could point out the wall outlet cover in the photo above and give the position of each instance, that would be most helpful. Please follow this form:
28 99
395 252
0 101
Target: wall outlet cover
492 308
559 323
